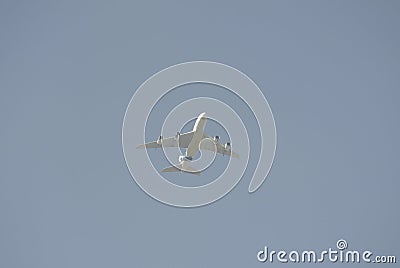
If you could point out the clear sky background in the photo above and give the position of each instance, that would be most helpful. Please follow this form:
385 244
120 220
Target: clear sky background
329 69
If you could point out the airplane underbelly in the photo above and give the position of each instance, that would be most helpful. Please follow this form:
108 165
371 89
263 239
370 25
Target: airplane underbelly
198 129
193 147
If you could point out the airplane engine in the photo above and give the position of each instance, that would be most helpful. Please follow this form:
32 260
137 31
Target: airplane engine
159 140
228 146
177 135
216 138
183 158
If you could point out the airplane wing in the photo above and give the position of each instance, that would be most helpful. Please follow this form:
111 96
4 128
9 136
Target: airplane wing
184 140
179 168
220 147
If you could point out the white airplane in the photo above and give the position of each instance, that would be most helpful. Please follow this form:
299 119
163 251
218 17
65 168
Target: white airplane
191 141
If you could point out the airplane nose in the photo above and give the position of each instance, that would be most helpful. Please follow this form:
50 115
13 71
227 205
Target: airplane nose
203 115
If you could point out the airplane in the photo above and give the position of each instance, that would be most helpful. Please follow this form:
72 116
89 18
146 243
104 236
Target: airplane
191 142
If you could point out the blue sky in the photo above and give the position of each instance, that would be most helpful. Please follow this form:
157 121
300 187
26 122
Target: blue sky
329 69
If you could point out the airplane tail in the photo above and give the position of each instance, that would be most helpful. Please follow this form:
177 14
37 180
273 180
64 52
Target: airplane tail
178 168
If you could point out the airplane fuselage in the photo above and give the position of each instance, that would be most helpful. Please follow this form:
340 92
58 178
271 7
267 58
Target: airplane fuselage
198 129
